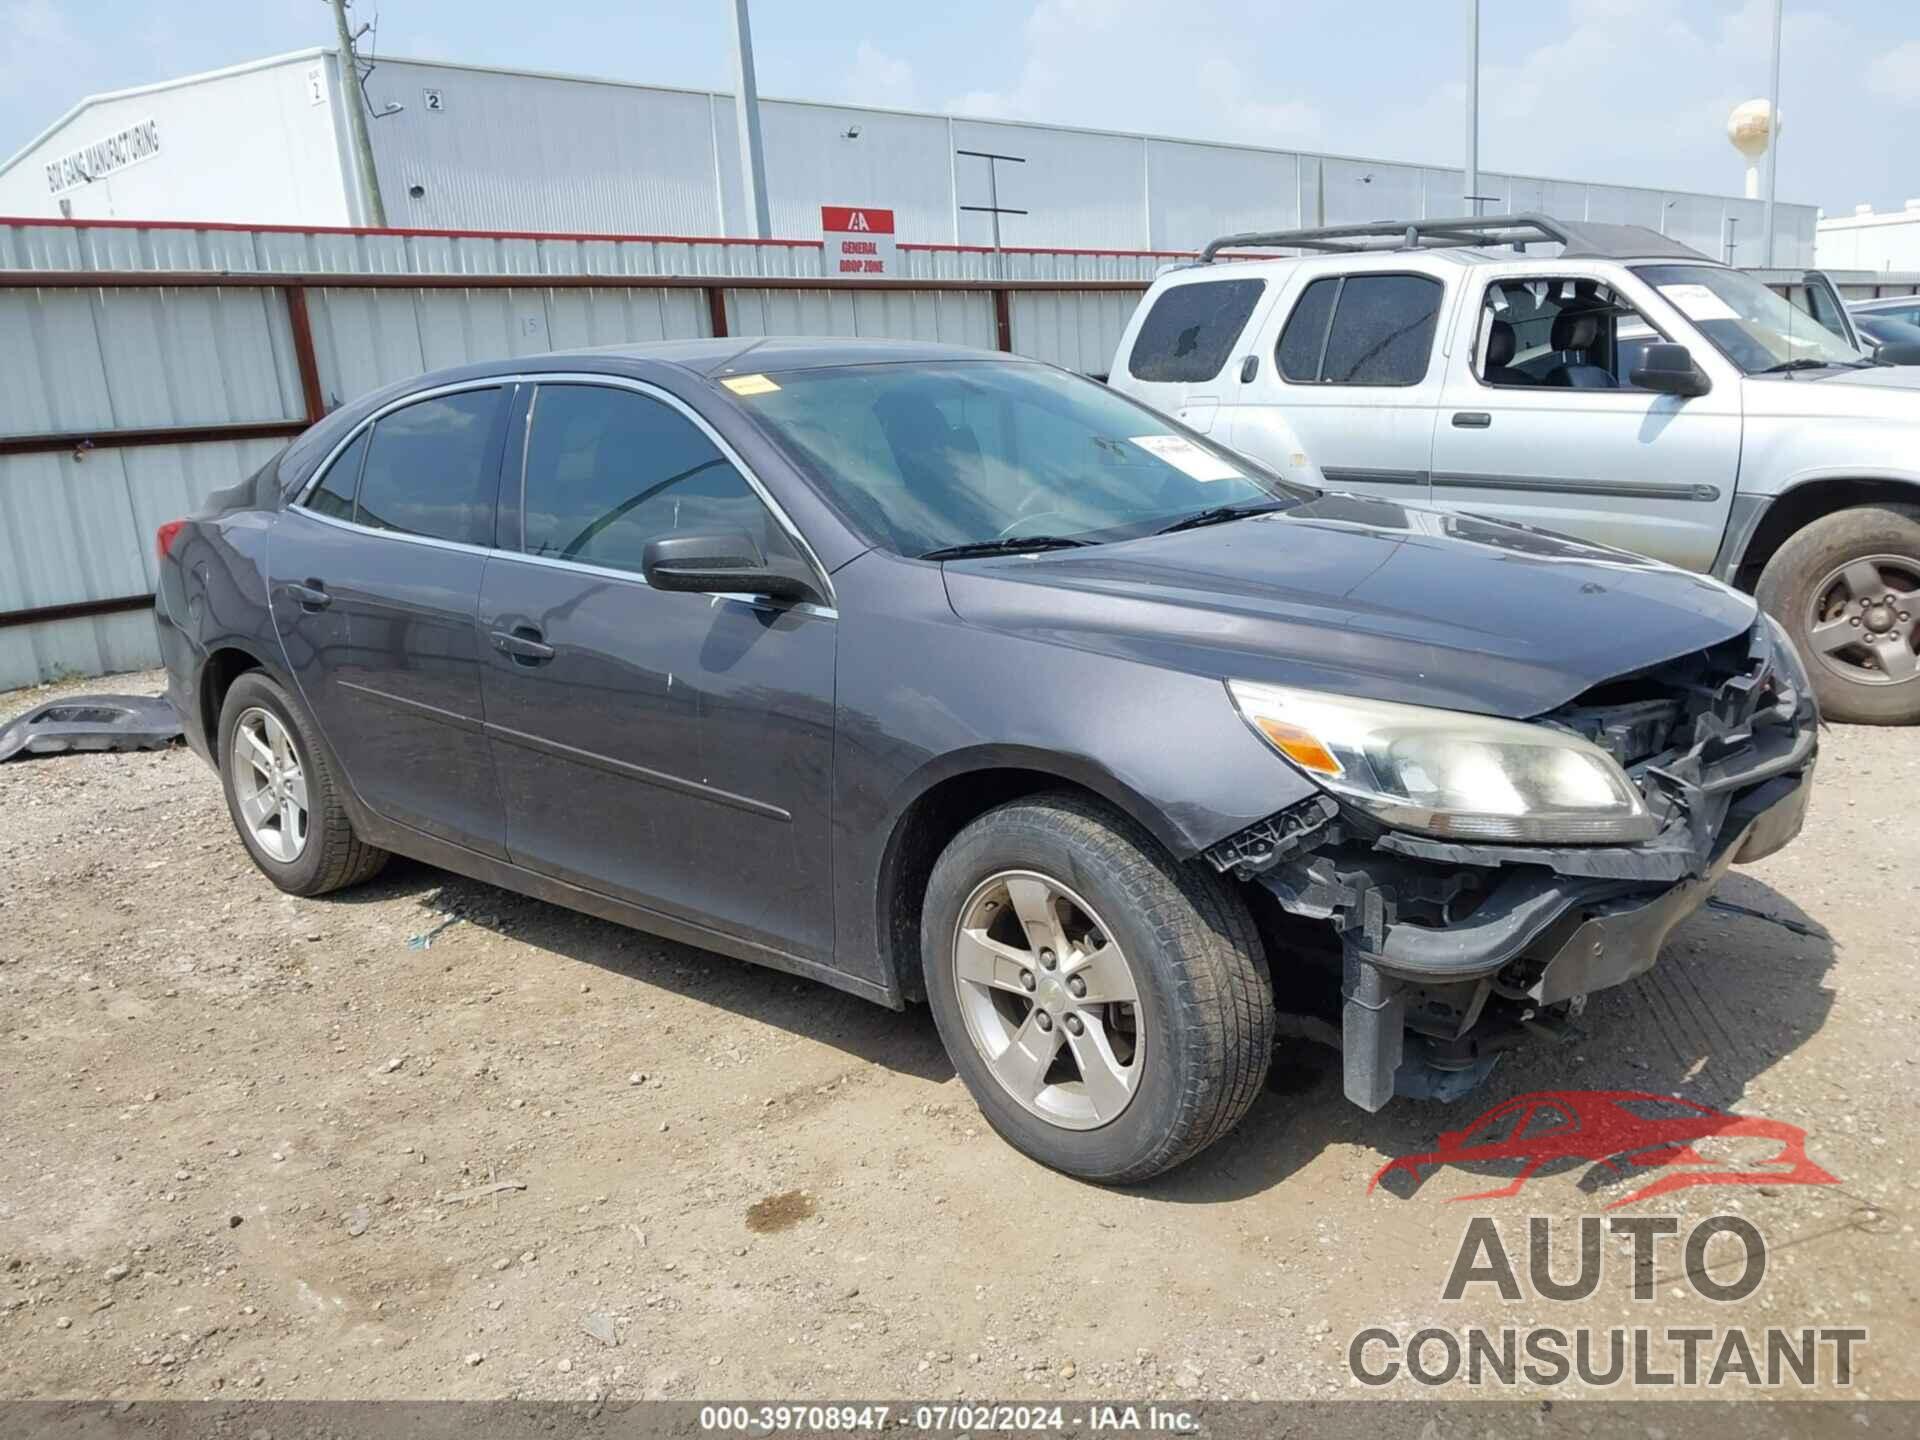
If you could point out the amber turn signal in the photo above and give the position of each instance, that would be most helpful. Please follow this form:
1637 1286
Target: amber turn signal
1298 745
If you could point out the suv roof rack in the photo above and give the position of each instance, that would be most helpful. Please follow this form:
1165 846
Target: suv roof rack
1581 239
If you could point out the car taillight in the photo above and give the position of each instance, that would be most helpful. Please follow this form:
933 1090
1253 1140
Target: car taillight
164 537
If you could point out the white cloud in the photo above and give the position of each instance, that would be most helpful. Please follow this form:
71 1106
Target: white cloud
1166 66
39 32
877 78
1895 75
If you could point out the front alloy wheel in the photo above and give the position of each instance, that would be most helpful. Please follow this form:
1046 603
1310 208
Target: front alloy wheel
1107 1006
1863 619
1049 999
1847 588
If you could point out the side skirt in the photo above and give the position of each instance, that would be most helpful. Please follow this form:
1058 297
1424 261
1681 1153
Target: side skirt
403 840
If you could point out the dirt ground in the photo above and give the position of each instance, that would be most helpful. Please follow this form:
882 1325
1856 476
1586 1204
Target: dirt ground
430 1139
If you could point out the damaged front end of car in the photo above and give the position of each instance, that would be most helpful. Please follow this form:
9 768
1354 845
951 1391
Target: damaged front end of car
1452 948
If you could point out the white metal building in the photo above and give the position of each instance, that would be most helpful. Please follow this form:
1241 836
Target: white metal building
487 149
1889 241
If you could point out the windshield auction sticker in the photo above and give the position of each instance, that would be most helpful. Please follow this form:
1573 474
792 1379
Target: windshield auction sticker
1183 454
1698 302
1661 1288
749 384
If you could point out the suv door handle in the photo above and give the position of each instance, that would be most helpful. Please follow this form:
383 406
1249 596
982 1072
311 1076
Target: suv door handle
1471 420
524 644
312 595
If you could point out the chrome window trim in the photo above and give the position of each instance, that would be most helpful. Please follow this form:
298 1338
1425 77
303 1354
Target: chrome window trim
300 497
634 577
569 377
431 541
604 572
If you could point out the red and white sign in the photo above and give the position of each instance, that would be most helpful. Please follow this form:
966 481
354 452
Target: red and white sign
859 241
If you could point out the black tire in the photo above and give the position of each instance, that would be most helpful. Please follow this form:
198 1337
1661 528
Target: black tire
1205 1005
333 857
1787 592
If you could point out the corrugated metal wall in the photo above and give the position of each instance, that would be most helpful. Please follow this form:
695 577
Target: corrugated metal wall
52 245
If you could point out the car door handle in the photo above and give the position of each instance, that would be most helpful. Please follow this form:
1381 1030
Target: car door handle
312 596
523 644
1471 420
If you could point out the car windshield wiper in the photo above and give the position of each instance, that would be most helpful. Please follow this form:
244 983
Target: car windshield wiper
1803 363
1220 514
1006 545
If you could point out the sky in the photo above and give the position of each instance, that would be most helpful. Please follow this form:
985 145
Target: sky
1616 91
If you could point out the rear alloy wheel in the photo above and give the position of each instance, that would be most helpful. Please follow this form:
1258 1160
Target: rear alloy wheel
1847 587
282 793
1108 1008
270 787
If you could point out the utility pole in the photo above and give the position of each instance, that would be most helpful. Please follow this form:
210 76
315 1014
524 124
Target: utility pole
1773 135
357 118
1473 106
746 108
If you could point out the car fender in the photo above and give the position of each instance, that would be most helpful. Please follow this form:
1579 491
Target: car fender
1751 506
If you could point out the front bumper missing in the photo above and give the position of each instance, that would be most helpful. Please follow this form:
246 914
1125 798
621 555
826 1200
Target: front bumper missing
1558 940
1450 951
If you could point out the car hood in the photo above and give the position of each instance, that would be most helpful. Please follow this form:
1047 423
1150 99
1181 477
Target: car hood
1363 597
1878 392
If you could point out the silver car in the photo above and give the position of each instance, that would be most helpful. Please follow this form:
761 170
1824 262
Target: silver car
1603 381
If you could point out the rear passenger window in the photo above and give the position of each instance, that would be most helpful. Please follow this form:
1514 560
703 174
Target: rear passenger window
1361 330
431 469
1190 330
1304 340
608 470
334 494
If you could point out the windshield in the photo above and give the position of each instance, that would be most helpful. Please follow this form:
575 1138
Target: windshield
1747 322
927 457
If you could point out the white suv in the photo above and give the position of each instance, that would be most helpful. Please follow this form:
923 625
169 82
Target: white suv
1603 381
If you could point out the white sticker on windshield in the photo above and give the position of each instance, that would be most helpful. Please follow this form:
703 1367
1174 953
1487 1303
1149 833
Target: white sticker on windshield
1698 302
1183 454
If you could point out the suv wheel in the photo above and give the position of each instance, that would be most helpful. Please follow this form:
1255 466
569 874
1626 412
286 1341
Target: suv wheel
1847 587
1109 1009
282 793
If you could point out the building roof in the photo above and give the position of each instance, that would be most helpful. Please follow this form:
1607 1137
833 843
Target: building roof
836 105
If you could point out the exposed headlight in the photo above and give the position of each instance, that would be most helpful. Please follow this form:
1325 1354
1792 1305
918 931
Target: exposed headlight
1446 773
1786 657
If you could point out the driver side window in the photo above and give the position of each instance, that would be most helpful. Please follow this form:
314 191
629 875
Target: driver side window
1559 332
608 469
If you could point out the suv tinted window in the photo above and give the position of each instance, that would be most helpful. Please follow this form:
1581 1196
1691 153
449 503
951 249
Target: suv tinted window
334 494
1191 328
1381 331
430 469
608 470
1304 340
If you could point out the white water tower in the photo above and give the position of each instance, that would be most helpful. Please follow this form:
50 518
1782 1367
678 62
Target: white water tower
1751 128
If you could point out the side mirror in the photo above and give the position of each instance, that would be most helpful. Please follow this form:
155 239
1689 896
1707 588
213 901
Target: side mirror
1898 352
717 561
1669 370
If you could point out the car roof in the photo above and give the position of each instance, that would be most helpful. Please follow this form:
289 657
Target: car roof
1427 259
1577 239
1884 302
745 354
